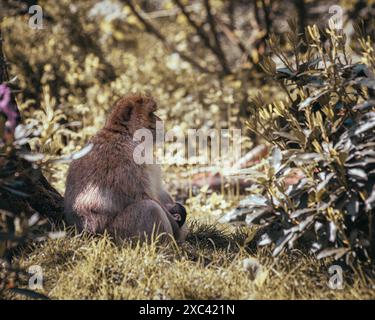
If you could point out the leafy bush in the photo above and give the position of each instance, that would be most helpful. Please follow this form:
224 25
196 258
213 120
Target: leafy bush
26 198
318 184
15 176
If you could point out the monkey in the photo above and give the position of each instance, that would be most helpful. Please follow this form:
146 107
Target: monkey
179 213
106 190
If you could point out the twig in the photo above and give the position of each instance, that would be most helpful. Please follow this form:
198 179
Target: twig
3 69
201 33
266 10
301 11
198 28
149 27
233 38
220 52
168 12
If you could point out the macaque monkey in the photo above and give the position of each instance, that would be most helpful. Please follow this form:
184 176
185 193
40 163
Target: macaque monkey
178 212
106 190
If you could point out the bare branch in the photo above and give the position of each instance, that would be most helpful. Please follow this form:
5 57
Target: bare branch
233 38
266 9
198 28
220 53
168 12
301 10
3 68
149 27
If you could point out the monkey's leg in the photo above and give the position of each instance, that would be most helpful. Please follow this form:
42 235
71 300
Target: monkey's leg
142 219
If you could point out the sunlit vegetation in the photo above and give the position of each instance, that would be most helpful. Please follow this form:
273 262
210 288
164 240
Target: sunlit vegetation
302 91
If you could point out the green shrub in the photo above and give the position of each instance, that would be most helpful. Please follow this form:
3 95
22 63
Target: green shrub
318 184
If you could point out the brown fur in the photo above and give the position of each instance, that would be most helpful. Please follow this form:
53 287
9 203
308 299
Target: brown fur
107 190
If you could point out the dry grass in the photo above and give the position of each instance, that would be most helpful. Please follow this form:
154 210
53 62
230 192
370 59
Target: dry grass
209 266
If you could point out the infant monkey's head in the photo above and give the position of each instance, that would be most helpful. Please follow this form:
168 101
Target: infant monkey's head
178 212
131 113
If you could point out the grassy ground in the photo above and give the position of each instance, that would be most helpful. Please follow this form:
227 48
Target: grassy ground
213 264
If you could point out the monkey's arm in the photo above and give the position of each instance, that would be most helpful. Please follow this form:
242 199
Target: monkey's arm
165 199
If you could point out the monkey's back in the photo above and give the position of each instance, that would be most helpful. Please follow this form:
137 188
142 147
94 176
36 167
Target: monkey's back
104 182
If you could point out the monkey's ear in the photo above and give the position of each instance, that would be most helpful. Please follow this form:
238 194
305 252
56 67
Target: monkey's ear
126 114
139 100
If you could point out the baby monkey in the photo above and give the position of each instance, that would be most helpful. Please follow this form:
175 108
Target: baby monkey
106 190
178 212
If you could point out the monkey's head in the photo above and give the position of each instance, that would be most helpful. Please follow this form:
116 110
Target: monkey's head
133 112
178 212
